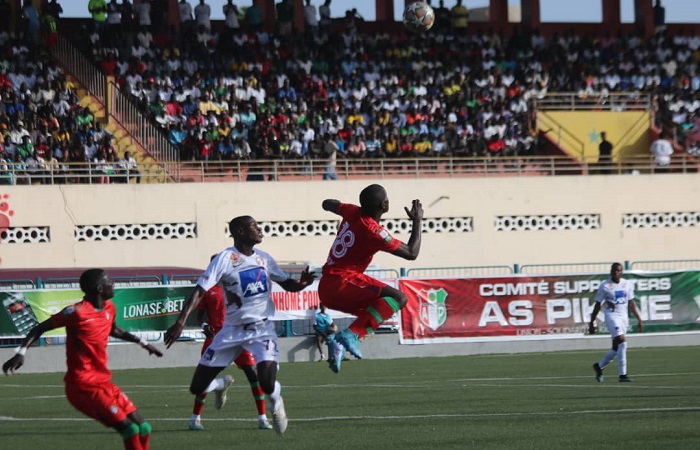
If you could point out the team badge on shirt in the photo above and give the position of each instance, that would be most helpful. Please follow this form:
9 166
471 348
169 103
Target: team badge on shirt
235 258
385 235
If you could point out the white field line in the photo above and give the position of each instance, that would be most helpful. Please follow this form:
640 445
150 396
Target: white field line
411 417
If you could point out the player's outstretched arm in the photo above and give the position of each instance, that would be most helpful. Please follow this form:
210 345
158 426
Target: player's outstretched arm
17 360
124 335
191 303
331 205
411 250
305 279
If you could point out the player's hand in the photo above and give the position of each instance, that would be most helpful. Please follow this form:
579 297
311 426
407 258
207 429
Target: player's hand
592 328
206 329
416 211
306 278
172 334
13 364
153 350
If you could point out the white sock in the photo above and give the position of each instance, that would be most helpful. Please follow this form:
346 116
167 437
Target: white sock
195 417
262 418
609 356
215 385
622 358
275 397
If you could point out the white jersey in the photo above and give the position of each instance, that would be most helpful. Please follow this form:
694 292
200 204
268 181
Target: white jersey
615 298
248 278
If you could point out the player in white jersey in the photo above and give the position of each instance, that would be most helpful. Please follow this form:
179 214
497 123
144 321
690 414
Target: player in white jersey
246 275
616 297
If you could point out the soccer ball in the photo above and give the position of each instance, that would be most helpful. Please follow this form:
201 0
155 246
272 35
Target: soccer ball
418 16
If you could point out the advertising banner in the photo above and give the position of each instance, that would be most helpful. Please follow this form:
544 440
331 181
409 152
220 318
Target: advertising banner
516 307
138 308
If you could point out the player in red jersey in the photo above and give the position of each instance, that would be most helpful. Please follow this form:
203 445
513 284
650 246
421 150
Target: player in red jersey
213 309
344 286
89 324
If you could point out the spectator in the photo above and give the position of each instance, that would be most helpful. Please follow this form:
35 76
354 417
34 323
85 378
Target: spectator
202 15
128 168
98 11
30 15
659 17
254 18
285 17
460 16
605 149
662 149
310 19
325 22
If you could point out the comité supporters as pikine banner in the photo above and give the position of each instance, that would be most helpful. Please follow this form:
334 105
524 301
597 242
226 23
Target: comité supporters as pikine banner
474 309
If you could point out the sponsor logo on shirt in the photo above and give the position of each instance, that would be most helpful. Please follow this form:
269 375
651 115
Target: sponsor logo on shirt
208 355
253 281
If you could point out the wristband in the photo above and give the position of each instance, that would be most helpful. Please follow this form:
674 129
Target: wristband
204 325
21 351
143 342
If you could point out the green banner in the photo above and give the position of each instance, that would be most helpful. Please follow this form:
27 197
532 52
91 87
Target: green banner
138 309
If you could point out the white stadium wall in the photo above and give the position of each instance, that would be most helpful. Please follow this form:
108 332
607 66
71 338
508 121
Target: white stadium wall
469 221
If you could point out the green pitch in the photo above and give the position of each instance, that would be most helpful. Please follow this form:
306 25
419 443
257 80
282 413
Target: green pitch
533 401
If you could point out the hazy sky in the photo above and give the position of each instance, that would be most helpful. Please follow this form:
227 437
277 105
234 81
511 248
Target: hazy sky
677 11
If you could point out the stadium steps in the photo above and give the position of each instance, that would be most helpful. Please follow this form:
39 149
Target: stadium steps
151 171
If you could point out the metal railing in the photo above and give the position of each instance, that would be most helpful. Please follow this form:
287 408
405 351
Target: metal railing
141 130
665 265
466 271
80 67
564 269
304 170
616 101
565 139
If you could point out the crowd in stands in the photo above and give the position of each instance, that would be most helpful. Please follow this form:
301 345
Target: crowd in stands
238 92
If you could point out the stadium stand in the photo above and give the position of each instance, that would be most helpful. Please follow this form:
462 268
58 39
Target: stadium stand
221 96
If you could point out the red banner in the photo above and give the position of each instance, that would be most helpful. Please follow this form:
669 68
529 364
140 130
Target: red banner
454 310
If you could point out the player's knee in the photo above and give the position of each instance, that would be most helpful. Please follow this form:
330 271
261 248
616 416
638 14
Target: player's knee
401 299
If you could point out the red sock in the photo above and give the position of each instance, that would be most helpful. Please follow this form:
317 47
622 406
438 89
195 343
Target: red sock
259 397
199 404
133 443
370 319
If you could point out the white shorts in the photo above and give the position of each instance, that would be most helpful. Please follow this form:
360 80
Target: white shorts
617 326
259 338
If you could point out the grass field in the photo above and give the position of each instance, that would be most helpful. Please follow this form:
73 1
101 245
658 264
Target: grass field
524 401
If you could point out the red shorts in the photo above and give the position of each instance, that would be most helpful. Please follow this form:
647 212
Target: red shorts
349 293
244 359
105 403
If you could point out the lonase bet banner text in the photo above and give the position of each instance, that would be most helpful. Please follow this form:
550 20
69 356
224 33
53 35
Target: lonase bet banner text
467 310
138 309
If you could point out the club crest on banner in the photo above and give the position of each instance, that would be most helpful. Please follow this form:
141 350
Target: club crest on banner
433 311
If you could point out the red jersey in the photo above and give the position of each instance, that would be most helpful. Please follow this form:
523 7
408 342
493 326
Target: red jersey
358 239
87 331
214 304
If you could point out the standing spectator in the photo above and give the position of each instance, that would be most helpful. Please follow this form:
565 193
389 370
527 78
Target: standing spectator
617 295
143 12
202 15
54 9
460 16
114 22
49 31
128 22
254 18
98 11
662 149
323 327
31 19
659 17
129 168
605 149
326 22
187 27
443 17
310 19
285 17
88 383
330 150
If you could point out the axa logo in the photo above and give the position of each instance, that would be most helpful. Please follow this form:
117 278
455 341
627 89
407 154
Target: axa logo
254 281
433 309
